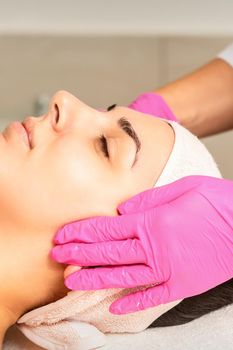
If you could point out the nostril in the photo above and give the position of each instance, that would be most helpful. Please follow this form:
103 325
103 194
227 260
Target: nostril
56 113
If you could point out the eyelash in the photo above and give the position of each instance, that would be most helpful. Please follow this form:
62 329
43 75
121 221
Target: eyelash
111 107
103 140
104 145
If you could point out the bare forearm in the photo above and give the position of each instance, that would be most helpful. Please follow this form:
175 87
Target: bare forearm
203 100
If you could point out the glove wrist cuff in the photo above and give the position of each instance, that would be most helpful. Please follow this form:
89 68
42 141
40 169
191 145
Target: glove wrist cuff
154 104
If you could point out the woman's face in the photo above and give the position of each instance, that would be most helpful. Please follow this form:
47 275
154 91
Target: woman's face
81 162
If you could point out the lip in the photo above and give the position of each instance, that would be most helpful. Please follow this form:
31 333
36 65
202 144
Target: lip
22 131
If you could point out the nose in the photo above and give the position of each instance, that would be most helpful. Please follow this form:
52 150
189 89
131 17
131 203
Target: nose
63 108
59 108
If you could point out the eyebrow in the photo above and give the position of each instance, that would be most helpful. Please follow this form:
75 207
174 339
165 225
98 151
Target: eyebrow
126 126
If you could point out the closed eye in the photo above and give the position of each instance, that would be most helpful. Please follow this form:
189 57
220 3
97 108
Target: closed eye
104 146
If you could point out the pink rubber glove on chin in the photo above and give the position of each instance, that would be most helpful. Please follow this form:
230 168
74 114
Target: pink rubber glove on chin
179 235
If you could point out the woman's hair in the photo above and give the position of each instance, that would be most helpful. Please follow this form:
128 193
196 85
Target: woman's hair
191 308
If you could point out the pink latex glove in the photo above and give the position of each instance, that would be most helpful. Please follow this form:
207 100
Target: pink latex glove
154 104
179 235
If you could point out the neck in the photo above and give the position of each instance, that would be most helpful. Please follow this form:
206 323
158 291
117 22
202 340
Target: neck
7 319
28 277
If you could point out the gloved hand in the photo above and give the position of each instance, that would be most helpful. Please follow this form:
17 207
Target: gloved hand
179 235
153 104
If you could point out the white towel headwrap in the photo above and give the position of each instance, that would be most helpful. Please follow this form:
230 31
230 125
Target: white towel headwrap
79 320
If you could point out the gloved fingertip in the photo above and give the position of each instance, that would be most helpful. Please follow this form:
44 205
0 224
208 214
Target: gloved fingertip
71 269
125 207
59 237
74 283
69 282
120 208
59 254
115 309
119 308
53 254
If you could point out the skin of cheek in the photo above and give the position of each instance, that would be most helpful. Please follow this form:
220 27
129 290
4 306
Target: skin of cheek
60 184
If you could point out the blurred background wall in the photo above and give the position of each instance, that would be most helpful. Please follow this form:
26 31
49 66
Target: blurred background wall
107 52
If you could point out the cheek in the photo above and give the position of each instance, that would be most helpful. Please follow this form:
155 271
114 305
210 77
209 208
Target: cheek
62 183
68 177
68 182
49 187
